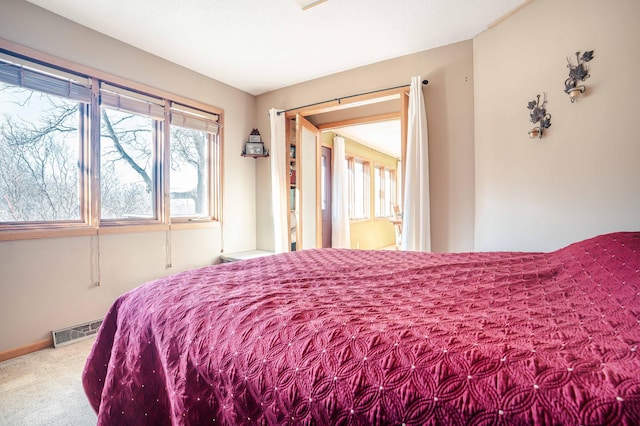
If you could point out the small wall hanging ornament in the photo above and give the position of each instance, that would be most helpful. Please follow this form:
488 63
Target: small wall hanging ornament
540 116
577 73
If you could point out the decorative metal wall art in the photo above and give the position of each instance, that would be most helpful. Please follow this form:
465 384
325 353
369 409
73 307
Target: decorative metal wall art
540 116
577 73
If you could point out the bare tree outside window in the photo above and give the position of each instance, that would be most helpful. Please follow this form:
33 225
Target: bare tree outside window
126 164
39 152
43 138
189 186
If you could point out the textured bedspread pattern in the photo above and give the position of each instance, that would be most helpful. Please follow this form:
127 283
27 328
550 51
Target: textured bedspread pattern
380 337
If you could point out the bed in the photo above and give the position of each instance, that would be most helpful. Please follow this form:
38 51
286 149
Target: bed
334 336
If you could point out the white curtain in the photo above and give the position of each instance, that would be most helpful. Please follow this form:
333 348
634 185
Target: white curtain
416 221
340 234
279 199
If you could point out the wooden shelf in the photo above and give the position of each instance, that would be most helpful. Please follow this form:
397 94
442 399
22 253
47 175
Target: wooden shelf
255 155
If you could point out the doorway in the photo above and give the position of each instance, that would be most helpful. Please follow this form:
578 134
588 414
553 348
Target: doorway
373 165
390 105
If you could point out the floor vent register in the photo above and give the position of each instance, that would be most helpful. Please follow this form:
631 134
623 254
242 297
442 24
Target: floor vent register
76 333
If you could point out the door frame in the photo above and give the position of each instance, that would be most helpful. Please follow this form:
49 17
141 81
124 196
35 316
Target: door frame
301 123
401 94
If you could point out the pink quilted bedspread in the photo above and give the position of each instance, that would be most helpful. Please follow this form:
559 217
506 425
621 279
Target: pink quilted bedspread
380 337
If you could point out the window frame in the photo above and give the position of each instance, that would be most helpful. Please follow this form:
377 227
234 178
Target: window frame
156 199
89 161
366 190
381 195
37 72
213 164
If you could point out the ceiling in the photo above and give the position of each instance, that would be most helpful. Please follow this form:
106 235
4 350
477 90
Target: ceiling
383 136
262 45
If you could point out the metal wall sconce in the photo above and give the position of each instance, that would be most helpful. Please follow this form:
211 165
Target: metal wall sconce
540 116
577 73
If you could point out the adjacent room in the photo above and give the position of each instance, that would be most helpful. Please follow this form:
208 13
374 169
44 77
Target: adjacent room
319 212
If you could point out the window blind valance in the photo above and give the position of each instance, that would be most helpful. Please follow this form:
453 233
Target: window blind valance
34 76
191 118
129 101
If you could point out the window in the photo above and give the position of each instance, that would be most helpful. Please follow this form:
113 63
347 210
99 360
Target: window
41 140
126 165
39 151
192 140
51 152
385 191
378 191
130 129
390 187
359 189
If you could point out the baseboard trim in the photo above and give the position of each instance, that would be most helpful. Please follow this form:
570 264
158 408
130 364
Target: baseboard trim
27 349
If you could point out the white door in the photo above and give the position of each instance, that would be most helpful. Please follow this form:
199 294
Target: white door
310 215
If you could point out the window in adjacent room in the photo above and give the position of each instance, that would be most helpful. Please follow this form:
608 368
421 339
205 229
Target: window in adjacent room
384 191
359 189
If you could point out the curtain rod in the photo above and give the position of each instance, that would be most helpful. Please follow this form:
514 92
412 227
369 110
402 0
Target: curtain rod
424 82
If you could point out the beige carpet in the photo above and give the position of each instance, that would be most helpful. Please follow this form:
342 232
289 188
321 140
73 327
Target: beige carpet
45 388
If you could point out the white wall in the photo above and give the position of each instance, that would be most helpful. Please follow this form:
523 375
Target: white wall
47 284
583 177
